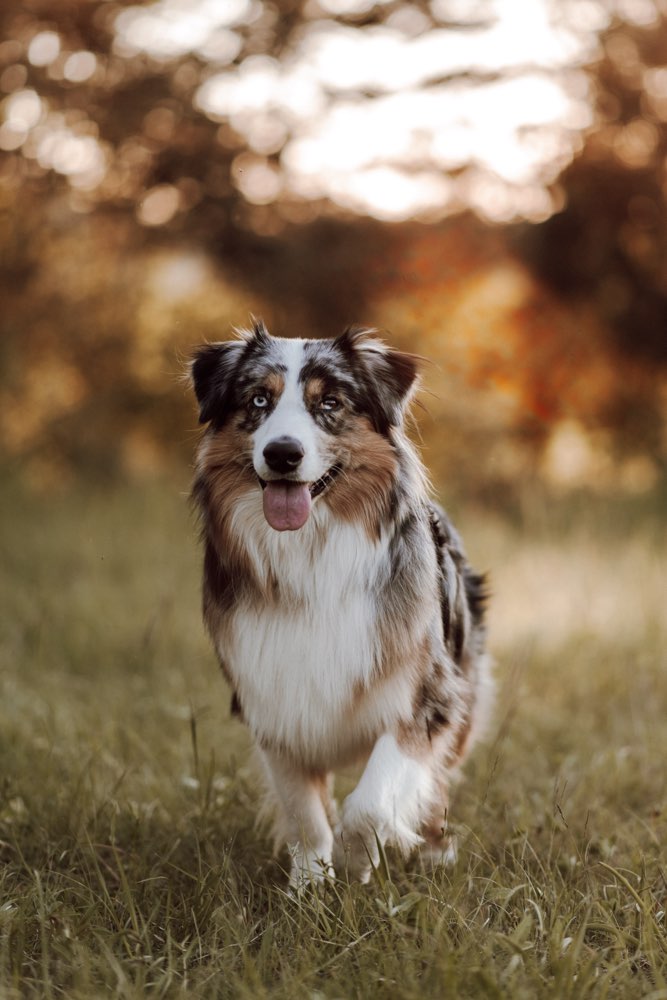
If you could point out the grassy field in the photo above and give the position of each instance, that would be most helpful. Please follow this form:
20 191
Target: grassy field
130 865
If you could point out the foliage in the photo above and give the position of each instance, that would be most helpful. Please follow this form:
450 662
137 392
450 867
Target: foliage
130 863
131 90
607 244
128 233
604 252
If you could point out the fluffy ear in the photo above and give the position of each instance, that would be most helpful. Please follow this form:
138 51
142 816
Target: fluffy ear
213 367
211 370
389 376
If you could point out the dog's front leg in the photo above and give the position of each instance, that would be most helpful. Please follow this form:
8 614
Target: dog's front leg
304 804
388 806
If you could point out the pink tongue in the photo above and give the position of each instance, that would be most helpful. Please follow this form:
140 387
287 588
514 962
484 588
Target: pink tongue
286 504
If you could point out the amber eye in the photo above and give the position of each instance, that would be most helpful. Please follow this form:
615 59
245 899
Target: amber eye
260 401
329 403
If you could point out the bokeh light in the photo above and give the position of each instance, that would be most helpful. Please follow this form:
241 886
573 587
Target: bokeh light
485 178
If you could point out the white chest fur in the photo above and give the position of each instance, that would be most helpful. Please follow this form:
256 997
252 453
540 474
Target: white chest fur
300 664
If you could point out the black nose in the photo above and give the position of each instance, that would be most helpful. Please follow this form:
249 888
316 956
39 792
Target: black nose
283 454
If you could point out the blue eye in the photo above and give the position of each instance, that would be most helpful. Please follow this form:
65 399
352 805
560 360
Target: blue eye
329 403
260 401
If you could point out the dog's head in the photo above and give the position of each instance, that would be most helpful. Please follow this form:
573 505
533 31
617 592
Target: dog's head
302 413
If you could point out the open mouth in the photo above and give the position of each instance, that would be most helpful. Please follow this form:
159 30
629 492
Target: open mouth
287 503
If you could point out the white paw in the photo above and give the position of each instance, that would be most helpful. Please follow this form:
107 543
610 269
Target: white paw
356 852
309 869
442 855
357 840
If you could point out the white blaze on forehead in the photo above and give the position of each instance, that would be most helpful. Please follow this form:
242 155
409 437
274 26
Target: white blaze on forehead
290 418
292 355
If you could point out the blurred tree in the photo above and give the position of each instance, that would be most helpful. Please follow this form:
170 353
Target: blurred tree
606 250
199 119
131 162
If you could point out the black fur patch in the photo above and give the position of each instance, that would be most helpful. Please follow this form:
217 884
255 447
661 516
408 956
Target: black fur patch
213 368
477 593
431 708
218 584
383 377
463 592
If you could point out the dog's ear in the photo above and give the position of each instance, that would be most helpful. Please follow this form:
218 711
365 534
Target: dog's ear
213 367
212 372
389 376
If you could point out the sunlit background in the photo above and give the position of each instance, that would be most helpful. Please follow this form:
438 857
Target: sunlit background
483 179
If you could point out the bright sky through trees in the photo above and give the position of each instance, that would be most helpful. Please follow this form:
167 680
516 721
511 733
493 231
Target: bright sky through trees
418 111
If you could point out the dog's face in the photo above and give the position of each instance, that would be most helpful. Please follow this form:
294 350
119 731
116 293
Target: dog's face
300 413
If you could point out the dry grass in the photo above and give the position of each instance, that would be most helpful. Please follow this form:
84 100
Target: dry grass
129 863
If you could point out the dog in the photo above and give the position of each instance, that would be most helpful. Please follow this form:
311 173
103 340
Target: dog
336 593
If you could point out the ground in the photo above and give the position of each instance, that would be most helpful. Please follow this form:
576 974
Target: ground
130 863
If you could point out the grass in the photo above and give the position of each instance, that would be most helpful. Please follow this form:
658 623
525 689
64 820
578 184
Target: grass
130 865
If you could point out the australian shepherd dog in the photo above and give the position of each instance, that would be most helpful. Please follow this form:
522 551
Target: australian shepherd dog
336 593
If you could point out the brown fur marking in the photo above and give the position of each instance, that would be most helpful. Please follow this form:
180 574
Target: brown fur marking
274 383
313 391
462 735
228 474
362 491
434 829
